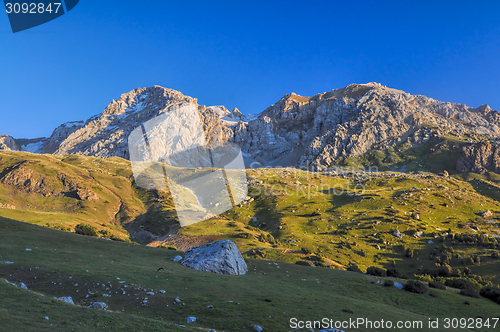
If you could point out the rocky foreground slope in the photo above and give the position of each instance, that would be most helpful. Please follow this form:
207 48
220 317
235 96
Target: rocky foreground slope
295 131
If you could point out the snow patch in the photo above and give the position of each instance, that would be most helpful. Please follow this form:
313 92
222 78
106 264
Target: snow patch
251 117
73 124
220 110
33 147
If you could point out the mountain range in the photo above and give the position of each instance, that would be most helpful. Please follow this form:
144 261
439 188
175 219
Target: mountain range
296 131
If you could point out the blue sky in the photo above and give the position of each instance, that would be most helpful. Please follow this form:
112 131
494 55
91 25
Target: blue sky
243 54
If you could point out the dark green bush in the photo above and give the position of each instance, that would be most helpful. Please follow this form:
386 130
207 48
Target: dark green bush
304 263
353 267
246 236
469 292
84 229
388 283
167 247
393 272
376 271
306 251
491 293
415 286
409 252
462 283
437 285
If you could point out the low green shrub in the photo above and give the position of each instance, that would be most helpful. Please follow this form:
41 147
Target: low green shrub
491 293
306 251
167 247
388 283
246 236
353 267
469 292
462 283
304 263
415 286
393 272
376 271
437 285
84 229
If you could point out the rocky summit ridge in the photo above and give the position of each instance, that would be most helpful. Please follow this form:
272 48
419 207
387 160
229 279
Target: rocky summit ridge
295 131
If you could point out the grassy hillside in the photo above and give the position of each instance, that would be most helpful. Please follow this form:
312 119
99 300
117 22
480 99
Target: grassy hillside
64 264
328 219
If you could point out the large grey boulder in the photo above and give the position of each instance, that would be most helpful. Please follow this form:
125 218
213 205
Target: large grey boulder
221 257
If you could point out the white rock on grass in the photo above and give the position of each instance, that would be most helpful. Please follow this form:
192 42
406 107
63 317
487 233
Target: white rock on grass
191 319
258 328
98 305
22 285
67 299
222 257
177 258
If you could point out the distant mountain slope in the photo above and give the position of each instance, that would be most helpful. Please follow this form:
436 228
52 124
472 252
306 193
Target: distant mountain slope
296 131
351 121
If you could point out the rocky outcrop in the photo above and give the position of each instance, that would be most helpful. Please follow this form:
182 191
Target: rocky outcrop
222 257
480 157
59 135
7 143
315 131
26 180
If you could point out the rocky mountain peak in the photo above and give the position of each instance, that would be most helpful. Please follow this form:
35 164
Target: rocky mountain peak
294 131
8 143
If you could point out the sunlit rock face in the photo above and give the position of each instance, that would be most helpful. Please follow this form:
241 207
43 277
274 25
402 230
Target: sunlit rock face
295 131
7 143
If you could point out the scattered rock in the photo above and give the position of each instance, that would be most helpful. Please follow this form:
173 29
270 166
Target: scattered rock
177 258
150 293
398 234
222 257
485 214
430 242
8 262
67 299
191 319
98 305
418 234
257 328
21 285
162 291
